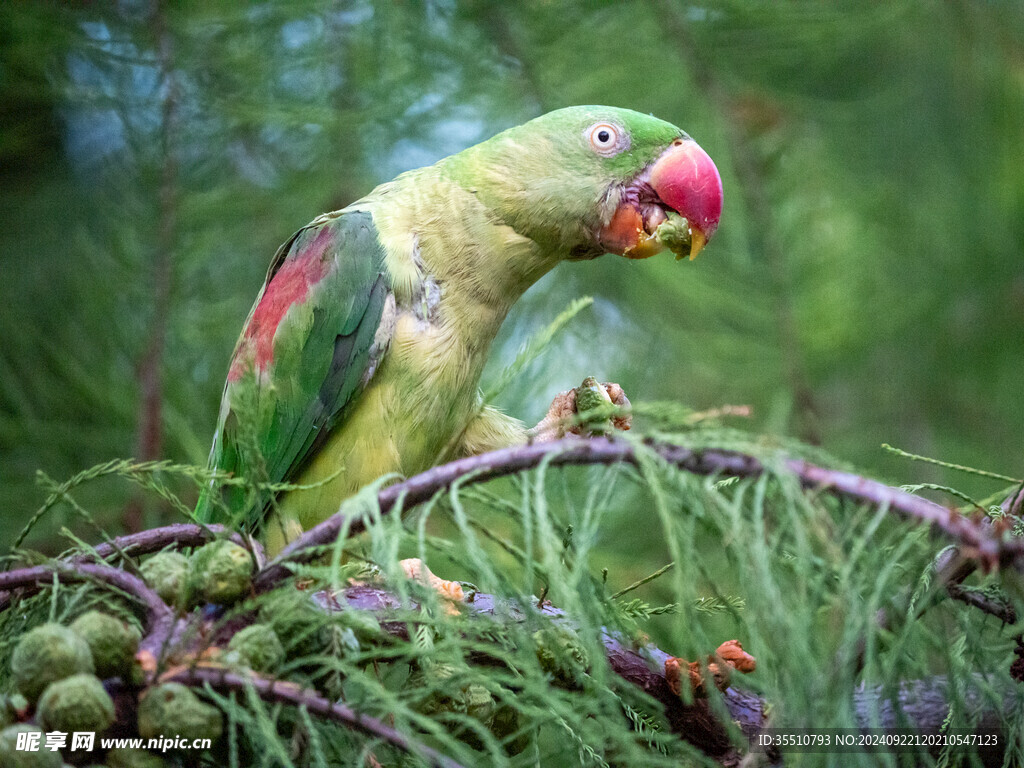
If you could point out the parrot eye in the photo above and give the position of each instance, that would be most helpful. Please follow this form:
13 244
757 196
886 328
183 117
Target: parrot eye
606 139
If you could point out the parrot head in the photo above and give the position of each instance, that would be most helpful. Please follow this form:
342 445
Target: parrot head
592 180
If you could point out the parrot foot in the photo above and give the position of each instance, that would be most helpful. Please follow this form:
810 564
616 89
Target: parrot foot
601 403
729 657
416 570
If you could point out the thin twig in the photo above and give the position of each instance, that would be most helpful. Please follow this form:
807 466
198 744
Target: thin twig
219 678
952 570
646 579
949 465
994 607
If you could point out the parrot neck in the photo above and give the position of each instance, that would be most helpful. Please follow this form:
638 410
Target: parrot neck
448 253
512 179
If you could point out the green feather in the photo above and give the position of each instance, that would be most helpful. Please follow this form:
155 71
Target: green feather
275 413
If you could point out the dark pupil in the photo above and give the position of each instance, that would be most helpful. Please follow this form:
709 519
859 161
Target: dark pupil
603 136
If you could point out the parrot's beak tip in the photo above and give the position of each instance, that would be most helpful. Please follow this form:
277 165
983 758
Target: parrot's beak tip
697 242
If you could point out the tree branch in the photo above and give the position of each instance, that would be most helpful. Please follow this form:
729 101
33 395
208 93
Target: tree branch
977 540
219 678
1014 503
181 535
145 542
922 704
645 667
159 617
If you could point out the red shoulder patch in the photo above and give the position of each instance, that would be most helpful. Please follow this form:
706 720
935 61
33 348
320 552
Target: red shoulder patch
289 286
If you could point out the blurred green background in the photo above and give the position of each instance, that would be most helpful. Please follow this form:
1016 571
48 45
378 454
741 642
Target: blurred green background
866 284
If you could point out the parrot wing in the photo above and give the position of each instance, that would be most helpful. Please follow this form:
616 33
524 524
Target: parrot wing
313 340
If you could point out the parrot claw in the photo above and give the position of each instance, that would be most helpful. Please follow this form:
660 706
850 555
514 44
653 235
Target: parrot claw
590 397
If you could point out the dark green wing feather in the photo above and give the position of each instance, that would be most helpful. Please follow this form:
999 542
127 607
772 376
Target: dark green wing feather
308 348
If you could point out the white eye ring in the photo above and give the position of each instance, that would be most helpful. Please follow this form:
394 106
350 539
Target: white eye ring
604 139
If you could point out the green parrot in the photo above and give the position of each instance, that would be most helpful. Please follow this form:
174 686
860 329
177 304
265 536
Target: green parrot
363 352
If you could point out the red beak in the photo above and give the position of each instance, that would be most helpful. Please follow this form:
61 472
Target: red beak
687 181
